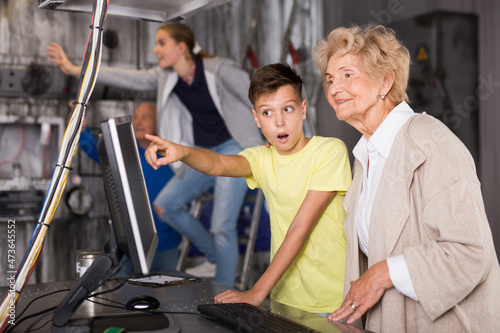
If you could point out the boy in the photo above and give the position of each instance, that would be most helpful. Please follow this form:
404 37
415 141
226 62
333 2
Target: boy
304 181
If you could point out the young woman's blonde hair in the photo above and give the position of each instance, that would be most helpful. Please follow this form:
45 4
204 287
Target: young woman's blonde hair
182 33
382 55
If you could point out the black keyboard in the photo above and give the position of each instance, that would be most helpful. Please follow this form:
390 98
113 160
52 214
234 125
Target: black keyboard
243 317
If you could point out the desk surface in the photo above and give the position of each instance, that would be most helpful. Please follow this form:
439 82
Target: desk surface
181 300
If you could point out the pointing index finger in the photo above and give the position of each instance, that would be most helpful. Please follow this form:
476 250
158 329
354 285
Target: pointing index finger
153 138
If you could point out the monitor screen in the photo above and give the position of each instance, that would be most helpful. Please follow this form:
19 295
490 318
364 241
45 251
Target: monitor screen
126 193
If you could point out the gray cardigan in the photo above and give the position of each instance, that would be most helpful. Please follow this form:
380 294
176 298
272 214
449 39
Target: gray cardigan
428 207
228 87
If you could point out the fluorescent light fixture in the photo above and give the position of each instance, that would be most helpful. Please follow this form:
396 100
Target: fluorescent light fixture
150 10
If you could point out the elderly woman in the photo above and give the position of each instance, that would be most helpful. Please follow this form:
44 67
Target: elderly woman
420 253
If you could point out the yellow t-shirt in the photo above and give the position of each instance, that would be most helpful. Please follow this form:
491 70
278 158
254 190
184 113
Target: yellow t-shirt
314 281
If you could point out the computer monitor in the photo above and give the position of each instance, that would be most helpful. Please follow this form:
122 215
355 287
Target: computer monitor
126 193
132 229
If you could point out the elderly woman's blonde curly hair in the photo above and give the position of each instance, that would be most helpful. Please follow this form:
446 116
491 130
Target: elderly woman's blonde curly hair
382 54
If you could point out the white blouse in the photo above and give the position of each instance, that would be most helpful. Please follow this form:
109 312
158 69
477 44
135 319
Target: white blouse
373 154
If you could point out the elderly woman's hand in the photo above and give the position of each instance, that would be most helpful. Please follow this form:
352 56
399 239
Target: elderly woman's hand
364 293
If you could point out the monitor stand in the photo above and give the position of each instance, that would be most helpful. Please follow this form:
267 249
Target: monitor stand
84 287
130 321
87 283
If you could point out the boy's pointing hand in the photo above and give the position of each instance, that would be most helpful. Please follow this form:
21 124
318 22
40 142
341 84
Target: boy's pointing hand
170 150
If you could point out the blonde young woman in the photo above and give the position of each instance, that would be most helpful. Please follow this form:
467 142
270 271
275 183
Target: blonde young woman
201 102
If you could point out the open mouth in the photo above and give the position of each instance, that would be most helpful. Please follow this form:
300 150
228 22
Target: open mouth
282 136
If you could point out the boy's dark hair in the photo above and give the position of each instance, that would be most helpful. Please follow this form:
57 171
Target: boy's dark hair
268 79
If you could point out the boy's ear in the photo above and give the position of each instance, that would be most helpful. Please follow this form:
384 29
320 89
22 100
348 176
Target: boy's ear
254 114
304 109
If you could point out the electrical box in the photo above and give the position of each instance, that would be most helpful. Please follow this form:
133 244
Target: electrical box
32 81
29 148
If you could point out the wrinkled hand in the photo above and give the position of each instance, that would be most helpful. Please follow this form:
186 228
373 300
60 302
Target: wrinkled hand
231 296
364 293
56 55
172 152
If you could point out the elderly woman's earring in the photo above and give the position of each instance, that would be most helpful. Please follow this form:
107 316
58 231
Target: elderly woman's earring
382 96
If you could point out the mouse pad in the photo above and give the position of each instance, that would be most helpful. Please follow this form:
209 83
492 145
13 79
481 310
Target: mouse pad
137 322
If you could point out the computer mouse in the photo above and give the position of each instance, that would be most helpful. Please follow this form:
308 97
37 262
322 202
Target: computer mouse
142 302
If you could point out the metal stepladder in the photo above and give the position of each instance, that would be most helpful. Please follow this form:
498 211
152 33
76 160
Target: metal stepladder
258 198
